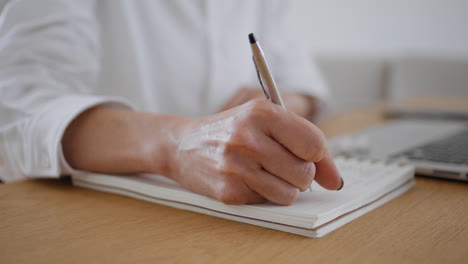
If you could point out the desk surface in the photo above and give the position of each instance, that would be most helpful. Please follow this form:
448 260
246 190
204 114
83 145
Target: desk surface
50 221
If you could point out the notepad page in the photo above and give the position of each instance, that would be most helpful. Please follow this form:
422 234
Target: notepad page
362 173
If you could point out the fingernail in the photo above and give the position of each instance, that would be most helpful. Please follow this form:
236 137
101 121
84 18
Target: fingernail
342 184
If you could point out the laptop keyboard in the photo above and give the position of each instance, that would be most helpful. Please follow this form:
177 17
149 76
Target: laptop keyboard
452 149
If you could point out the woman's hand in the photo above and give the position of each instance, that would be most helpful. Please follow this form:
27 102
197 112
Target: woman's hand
252 153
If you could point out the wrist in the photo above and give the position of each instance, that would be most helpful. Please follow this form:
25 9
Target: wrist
159 146
303 105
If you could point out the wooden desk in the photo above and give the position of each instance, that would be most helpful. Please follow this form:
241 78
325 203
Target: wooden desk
48 221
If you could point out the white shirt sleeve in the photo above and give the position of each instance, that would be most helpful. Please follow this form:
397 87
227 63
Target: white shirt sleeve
292 64
49 63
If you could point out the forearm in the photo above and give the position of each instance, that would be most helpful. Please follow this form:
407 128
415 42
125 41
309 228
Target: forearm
303 105
120 141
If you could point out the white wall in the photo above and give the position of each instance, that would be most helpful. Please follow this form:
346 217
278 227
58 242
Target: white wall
385 27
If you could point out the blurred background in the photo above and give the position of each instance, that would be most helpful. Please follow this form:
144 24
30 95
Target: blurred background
372 50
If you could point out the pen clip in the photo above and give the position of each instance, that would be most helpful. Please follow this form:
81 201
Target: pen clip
260 80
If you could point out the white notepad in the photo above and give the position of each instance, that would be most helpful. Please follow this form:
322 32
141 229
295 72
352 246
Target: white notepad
368 185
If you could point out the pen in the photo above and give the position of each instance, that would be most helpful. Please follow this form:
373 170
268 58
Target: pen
263 73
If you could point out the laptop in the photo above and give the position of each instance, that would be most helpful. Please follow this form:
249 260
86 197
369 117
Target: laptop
437 148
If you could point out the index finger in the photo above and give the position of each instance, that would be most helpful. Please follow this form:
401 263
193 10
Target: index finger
298 135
